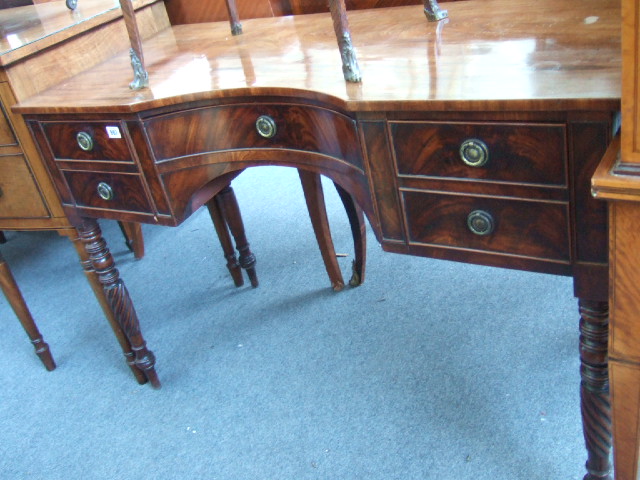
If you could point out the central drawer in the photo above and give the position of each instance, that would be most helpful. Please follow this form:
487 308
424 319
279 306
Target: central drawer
262 126
501 152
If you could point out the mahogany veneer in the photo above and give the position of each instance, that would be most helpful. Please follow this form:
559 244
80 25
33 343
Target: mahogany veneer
536 95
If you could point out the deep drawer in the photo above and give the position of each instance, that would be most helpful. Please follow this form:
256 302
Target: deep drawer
219 128
109 191
518 153
101 141
532 229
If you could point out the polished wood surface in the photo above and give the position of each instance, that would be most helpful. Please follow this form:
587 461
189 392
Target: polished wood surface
537 90
566 62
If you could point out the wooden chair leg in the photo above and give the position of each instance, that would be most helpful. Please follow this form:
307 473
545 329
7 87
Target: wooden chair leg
225 240
133 238
314 196
228 206
358 230
19 306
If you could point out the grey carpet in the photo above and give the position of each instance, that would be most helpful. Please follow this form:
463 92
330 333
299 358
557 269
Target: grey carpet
430 370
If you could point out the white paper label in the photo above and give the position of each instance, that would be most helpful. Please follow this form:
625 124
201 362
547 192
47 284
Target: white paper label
113 132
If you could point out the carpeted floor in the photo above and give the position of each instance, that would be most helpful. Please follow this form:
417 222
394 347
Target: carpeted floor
430 370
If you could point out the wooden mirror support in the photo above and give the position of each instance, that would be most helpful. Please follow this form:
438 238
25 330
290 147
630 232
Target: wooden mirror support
140 75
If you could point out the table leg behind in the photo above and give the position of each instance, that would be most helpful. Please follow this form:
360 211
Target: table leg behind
19 306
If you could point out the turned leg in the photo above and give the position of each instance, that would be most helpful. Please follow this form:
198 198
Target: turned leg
594 389
358 231
228 205
98 291
117 296
225 241
314 196
133 238
19 306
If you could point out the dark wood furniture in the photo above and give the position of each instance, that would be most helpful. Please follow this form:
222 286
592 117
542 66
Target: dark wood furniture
35 42
473 139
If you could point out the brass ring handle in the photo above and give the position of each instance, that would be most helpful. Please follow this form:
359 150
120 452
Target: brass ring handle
85 141
474 152
480 222
105 191
266 126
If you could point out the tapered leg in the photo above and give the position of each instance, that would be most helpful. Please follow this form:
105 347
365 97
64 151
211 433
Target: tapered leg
314 196
225 241
594 390
19 306
358 231
98 291
117 296
132 232
228 205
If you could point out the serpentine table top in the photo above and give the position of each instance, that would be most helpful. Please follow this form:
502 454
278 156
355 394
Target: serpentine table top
489 54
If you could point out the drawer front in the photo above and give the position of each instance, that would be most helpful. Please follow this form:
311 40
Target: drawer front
518 153
109 191
88 141
19 194
220 128
518 227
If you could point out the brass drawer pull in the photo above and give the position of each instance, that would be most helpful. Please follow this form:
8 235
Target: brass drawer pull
85 141
474 152
105 191
480 222
266 126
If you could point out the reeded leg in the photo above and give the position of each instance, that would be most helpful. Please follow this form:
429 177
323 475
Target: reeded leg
225 241
594 390
228 205
350 68
117 296
314 196
19 306
236 26
98 291
132 232
358 230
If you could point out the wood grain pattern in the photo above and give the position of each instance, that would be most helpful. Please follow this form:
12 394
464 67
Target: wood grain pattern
501 65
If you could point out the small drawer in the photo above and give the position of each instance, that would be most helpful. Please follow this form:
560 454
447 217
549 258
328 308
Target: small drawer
534 229
109 191
514 153
261 126
88 141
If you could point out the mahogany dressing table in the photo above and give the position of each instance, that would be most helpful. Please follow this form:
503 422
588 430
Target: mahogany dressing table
473 139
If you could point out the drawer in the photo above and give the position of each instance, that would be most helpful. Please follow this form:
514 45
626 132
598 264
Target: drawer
230 127
88 141
534 229
515 153
109 191
19 194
